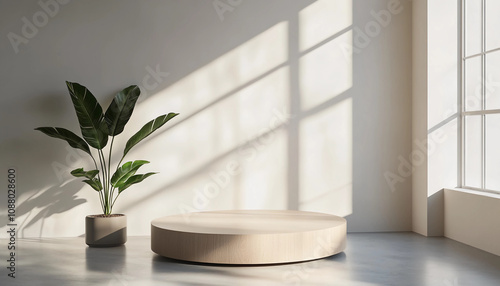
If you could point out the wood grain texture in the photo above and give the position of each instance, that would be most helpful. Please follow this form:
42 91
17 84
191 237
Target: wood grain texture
248 236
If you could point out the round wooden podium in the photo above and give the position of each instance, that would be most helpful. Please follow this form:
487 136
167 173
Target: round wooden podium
248 236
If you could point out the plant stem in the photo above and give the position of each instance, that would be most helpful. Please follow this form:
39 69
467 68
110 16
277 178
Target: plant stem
98 176
101 200
108 212
109 171
101 158
115 200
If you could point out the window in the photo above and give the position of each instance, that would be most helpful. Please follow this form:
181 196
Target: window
480 95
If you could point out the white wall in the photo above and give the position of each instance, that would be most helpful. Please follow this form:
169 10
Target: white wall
234 77
472 218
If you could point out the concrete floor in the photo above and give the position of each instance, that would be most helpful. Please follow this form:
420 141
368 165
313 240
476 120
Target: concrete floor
400 259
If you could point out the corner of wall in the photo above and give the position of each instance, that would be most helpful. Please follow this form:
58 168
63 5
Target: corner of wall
419 113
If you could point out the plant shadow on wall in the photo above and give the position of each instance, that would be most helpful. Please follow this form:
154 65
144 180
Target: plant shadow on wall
45 203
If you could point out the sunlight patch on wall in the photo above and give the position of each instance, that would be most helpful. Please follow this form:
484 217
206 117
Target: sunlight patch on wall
246 128
232 111
218 126
325 72
264 169
223 127
323 19
226 73
326 160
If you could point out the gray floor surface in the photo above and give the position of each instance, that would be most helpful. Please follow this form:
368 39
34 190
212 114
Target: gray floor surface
370 259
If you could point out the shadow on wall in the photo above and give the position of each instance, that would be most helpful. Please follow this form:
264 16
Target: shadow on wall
44 203
271 116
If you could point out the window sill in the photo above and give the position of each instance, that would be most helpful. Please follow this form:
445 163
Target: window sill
476 192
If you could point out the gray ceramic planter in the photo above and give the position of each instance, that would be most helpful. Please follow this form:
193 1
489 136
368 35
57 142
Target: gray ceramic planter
102 231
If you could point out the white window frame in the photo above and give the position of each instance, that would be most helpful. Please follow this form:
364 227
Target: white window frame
462 97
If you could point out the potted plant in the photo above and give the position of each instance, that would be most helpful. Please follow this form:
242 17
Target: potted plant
106 229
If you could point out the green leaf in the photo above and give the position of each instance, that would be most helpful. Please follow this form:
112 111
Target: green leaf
74 140
94 183
87 174
134 180
126 171
89 113
120 109
147 129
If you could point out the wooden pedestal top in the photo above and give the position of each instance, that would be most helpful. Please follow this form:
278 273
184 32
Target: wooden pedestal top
248 236
248 222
